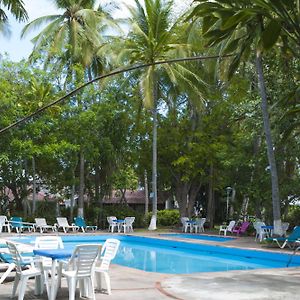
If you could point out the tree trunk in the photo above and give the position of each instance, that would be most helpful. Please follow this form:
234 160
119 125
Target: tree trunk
270 149
80 212
146 194
152 225
211 199
33 186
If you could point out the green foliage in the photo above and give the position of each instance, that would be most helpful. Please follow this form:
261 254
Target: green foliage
293 216
168 217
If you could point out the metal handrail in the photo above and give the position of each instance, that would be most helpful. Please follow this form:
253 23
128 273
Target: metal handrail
293 254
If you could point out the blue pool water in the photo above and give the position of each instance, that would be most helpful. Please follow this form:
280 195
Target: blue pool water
199 237
173 257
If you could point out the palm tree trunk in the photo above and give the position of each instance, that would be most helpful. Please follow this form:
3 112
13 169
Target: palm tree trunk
152 225
270 149
146 194
81 186
33 186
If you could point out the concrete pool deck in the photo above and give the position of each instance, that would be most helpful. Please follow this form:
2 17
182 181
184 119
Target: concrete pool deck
132 284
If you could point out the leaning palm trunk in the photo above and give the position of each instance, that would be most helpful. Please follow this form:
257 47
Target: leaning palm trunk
270 149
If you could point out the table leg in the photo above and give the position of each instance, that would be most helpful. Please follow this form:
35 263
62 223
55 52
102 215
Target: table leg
53 287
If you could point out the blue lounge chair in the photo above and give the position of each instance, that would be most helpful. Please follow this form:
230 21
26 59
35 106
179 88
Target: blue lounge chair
18 224
80 222
287 241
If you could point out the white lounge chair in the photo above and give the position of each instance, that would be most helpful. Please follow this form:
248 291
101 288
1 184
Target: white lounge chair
41 224
261 233
227 228
22 275
63 223
108 253
4 224
80 268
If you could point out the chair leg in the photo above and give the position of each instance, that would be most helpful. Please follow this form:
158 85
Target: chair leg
72 288
39 284
22 287
15 286
107 282
97 279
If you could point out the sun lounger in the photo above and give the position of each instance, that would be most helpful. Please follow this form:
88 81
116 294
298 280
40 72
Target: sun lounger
289 241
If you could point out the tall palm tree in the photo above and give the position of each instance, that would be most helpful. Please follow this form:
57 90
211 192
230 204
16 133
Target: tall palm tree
16 8
154 37
73 37
240 26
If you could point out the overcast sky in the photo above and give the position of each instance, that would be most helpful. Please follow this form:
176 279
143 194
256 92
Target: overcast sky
21 48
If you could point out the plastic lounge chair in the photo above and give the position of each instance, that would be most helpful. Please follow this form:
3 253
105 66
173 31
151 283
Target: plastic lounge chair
22 276
227 228
289 241
127 226
108 253
8 264
18 224
80 268
241 229
80 222
112 223
42 225
198 225
4 224
63 223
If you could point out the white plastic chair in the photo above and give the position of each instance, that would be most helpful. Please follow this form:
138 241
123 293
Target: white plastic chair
285 227
80 268
112 223
261 233
127 226
63 223
198 225
41 224
22 276
108 253
227 228
185 224
4 224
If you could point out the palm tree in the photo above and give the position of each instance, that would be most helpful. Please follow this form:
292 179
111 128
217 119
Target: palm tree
154 37
73 37
16 8
240 26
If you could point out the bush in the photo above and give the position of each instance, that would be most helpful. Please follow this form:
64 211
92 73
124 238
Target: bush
168 217
293 216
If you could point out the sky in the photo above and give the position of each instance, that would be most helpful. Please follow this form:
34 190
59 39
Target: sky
18 48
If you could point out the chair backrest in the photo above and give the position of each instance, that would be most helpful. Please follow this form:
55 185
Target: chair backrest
16 257
48 242
244 226
295 234
230 225
111 219
285 226
16 221
3 220
184 220
83 259
108 253
61 221
129 220
40 222
79 221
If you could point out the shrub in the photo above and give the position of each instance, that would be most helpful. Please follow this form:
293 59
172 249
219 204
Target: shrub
168 217
293 216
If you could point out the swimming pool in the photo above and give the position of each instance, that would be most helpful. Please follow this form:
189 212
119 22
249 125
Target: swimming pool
199 237
174 257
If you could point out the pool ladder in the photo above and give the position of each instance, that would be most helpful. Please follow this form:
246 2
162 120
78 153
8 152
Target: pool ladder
292 255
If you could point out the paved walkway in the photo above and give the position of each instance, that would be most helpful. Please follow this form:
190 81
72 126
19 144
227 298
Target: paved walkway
132 284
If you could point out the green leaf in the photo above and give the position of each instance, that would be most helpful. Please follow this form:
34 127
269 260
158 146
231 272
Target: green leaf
237 18
271 34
